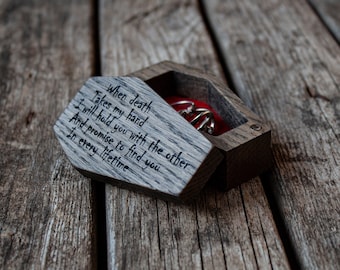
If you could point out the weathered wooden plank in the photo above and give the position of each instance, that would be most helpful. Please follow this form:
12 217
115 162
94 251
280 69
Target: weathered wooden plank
46 206
286 66
220 230
329 11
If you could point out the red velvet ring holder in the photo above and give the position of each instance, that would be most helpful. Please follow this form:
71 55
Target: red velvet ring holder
220 125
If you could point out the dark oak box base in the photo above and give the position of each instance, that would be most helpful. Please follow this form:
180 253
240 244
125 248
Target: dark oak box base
246 147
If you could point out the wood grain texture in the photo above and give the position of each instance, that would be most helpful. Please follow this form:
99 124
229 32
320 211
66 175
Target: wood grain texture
119 130
218 231
286 66
46 206
329 11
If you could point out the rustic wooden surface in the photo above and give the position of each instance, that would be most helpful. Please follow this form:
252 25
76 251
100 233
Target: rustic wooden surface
286 66
46 218
328 10
221 229
277 55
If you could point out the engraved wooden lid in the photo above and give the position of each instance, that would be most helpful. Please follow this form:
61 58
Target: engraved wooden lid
118 130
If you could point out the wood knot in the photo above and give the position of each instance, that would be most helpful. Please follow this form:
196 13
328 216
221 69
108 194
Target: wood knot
30 117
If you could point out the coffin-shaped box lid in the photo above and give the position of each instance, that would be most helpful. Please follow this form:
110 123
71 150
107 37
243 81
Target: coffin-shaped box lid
119 130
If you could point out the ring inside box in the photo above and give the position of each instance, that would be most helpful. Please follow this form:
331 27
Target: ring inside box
246 146
173 83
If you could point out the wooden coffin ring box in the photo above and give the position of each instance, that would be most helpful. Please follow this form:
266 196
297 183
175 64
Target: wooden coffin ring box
246 147
119 130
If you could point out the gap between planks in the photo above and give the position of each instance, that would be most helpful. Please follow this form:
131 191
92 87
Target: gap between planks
326 11
98 188
216 47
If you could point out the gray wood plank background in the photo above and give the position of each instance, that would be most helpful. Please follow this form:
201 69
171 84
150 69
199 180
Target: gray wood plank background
277 55
328 10
46 218
287 68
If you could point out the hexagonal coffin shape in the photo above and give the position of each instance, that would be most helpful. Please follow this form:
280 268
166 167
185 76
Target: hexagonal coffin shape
117 129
